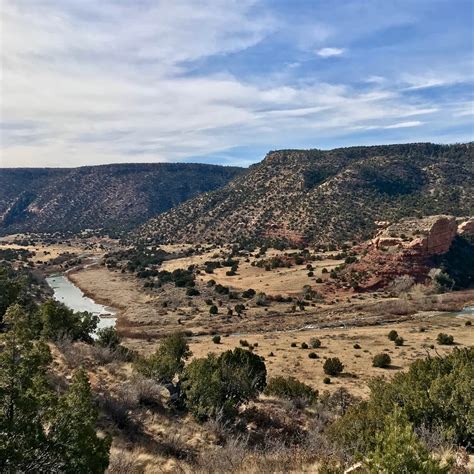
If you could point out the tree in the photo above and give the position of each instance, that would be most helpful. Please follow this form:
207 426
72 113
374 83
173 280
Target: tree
24 395
108 337
221 384
38 432
73 432
398 449
333 366
58 320
167 361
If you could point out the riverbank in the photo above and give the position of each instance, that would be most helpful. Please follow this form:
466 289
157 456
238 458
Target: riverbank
73 297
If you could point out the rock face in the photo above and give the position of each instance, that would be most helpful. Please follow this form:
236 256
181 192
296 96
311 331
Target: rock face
467 227
422 237
406 248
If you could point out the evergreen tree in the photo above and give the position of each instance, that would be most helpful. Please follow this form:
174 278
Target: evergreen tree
24 395
73 433
399 450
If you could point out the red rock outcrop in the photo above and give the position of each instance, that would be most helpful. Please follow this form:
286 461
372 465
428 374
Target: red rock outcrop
467 227
405 248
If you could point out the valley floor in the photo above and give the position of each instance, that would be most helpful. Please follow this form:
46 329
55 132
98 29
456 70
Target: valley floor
142 317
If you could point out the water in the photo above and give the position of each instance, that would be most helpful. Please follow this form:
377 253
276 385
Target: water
66 292
467 311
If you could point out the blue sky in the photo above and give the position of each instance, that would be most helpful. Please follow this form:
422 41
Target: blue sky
223 81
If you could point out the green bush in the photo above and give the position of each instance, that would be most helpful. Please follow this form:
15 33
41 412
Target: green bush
58 321
167 361
294 344
445 339
326 380
392 335
220 384
304 345
313 355
192 292
108 337
398 449
291 389
381 360
315 343
356 346
435 393
213 310
216 339
333 366
399 341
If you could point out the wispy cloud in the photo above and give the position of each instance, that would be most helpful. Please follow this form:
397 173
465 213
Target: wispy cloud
96 82
330 52
414 123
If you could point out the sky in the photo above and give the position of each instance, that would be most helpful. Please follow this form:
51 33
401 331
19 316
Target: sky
224 81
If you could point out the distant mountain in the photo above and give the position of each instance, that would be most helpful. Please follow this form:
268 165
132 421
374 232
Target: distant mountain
314 196
117 197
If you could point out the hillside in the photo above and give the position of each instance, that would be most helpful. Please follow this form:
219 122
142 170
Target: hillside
314 196
111 196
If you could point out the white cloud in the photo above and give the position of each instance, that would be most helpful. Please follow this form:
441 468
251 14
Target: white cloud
415 123
329 52
97 82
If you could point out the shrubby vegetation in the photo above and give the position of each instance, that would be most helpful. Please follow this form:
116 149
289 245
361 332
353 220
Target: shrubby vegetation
220 384
435 393
291 388
333 366
381 360
39 430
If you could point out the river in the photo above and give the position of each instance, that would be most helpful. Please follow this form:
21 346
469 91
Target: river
66 292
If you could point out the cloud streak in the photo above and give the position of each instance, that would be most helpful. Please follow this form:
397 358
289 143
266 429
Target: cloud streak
87 82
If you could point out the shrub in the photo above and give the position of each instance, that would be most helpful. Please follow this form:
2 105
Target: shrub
399 449
108 337
399 341
192 292
381 360
219 385
315 343
445 339
290 388
392 335
333 366
213 310
326 380
244 343
167 361
435 393
356 346
250 293
216 339
313 355
293 344
304 345
468 323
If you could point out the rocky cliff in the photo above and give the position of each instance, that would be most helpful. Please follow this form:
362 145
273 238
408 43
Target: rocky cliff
409 247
